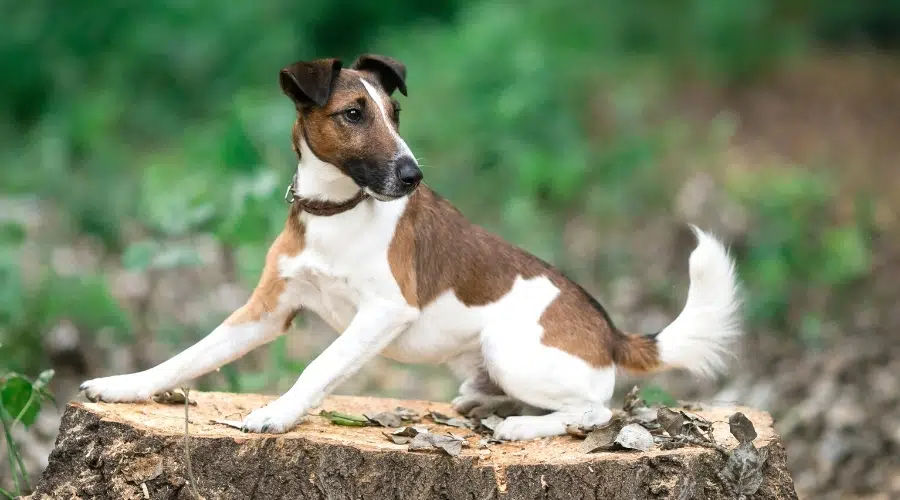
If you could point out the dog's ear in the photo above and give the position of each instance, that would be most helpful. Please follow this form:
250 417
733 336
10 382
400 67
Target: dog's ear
390 72
309 82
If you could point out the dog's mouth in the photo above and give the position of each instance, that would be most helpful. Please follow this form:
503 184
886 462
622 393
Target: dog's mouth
384 182
389 197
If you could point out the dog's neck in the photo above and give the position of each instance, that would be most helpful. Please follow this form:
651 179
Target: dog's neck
319 180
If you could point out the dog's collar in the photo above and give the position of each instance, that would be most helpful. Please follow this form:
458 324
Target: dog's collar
321 208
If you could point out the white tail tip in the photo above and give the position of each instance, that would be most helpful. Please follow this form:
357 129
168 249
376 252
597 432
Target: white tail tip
702 336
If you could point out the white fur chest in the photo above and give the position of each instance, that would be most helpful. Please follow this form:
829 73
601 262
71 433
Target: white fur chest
344 262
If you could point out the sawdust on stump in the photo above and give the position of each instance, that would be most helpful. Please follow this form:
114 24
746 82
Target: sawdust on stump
136 451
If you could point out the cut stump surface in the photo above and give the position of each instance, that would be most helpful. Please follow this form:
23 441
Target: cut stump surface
136 452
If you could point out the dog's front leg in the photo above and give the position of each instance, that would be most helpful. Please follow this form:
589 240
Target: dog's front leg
264 317
228 342
376 324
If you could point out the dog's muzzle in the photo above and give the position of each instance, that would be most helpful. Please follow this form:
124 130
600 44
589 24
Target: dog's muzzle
408 173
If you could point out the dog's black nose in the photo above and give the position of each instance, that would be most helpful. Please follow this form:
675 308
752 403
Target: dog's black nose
408 172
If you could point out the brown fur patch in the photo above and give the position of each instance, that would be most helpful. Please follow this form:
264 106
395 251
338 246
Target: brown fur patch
358 149
638 353
402 255
265 296
435 249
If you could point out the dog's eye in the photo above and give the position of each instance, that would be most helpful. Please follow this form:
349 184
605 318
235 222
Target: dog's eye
353 115
397 114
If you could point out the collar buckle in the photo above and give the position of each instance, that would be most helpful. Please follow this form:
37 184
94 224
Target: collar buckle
290 195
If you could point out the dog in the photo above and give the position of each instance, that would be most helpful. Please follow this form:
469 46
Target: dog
400 272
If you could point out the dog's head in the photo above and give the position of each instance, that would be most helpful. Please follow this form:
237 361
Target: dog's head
347 118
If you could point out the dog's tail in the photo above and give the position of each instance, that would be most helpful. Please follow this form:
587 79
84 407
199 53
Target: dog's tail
701 337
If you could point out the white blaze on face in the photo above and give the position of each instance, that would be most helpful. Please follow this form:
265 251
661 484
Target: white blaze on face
402 148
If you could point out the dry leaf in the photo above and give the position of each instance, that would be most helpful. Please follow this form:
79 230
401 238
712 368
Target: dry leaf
741 428
421 442
632 400
490 422
406 414
672 422
637 410
385 419
172 398
744 468
602 438
634 437
696 419
440 418
449 444
404 435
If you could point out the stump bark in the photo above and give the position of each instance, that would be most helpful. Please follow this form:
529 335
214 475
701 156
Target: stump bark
136 452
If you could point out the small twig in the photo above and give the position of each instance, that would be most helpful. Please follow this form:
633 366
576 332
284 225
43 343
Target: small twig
14 457
7 494
684 440
10 451
192 483
706 444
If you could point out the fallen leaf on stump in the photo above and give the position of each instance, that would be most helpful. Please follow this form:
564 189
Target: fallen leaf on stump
633 400
743 471
385 419
172 398
440 418
602 438
345 419
490 422
449 444
406 414
635 437
741 428
404 435
671 421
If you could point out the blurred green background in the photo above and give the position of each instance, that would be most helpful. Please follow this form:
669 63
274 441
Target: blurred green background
145 149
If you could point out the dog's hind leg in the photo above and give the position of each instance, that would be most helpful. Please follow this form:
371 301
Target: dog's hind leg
479 396
573 391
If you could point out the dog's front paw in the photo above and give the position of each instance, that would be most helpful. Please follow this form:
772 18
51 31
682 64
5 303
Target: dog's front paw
119 389
276 418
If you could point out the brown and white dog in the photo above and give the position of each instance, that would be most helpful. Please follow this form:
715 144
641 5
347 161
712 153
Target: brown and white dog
392 265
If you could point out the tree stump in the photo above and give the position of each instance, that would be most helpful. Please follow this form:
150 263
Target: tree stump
136 452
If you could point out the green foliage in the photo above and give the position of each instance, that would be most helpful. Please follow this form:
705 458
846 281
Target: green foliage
144 255
655 395
21 397
20 402
798 249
